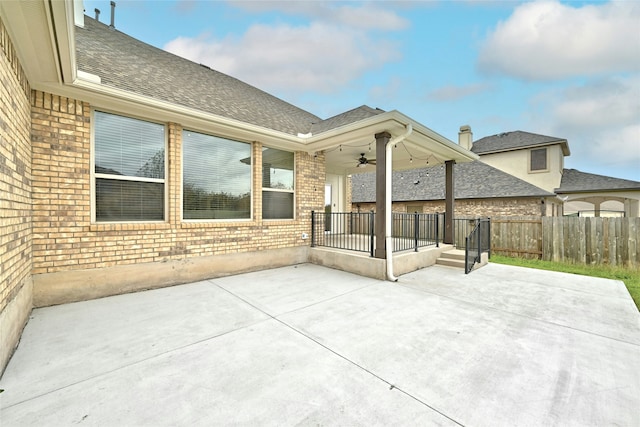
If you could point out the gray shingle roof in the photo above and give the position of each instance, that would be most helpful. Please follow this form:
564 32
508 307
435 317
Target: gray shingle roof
574 181
507 141
348 117
475 180
126 63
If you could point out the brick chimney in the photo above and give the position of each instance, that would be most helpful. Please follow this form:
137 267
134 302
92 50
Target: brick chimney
465 137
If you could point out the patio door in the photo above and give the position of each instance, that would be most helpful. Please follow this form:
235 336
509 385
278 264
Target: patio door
333 201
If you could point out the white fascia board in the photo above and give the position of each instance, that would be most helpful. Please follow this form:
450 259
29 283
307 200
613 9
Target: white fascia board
28 25
87 88
395 123
62 18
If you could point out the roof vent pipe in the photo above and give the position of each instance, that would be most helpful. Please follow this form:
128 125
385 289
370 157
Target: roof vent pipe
97 11
113 14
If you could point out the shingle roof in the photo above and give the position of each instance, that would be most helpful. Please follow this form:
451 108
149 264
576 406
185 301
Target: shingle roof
126 63
574 181
507 141
475 180
348 117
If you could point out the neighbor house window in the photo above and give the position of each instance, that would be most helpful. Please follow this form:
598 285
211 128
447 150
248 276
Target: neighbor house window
538 159
216 177
277 184
129 168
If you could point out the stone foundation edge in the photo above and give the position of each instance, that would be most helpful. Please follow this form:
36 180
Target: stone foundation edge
13 319
80 285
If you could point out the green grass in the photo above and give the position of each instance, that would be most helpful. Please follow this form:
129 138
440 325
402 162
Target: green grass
630 277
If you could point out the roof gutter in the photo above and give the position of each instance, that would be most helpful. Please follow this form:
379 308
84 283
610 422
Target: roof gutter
388 238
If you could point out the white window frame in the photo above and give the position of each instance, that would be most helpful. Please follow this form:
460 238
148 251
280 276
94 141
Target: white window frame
546 152
95 175
278 190
251 195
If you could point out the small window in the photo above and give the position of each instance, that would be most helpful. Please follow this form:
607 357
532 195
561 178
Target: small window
538 159
129 169
277 184
216 177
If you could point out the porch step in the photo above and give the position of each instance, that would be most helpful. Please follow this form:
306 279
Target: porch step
452 258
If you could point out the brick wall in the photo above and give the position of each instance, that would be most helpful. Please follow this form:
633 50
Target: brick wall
65 239
470 207
15 174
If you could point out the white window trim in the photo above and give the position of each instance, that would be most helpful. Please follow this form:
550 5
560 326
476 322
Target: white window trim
205 221
280 190
94 175
547 160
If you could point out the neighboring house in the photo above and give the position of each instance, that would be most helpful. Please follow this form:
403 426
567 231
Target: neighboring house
587 194
521 158
479 189
124 167
539 159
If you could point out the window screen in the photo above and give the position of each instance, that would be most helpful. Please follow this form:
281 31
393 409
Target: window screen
277 184
539 159
129 168
216 177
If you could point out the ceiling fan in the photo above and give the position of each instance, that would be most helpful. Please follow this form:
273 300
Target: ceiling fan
363 161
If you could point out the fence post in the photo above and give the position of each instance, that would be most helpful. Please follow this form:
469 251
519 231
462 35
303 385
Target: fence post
466 255
416 228
489 236
437 230
313 229
371 233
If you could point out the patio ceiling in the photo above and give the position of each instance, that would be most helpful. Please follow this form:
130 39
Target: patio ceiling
343 146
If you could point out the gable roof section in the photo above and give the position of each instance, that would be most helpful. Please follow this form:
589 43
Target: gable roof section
348 117
473 180
508 141
574 181
128 64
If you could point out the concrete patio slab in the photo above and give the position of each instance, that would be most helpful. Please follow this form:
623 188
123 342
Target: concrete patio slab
591 304
309 345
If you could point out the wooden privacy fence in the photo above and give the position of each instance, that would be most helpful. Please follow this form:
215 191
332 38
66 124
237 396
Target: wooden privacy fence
580 240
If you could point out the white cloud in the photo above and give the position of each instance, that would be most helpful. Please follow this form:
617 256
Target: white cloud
600 119
317 57
454 93
548 40
364 15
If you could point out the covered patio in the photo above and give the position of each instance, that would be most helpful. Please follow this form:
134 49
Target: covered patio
308 345
387 141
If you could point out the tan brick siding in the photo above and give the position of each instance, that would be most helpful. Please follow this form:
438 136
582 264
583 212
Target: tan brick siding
65 238
15 173
470 207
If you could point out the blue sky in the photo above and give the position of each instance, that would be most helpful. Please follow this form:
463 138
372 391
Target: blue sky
565 69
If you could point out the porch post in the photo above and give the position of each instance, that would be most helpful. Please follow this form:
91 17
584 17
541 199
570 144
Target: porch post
381 143
449 231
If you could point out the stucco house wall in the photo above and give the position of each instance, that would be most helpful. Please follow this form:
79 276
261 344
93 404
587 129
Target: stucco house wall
15 199
517 163
75 259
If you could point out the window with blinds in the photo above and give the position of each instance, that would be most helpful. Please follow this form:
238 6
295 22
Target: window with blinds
129 169
277 184
216 174
538 159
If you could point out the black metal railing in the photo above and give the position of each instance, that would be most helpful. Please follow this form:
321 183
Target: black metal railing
352 231
411 231
355 231
477 242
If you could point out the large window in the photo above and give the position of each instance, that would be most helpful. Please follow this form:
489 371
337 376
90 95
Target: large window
129 166
277 184
216 177
538 159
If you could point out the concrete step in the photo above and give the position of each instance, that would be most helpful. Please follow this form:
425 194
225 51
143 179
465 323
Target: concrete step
450 262
453 254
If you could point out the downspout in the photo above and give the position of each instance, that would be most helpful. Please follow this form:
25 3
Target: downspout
387 201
